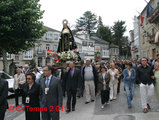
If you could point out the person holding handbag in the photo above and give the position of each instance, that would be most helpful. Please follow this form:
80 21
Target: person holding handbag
19 80
103 86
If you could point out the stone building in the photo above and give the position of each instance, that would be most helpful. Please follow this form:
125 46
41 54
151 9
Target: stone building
149 47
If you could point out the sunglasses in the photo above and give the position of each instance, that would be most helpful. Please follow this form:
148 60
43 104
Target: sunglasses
28 78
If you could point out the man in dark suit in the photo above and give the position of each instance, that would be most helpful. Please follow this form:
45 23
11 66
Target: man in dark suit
72 84
51 95
3 98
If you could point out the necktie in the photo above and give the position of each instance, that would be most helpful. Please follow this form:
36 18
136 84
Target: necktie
72 72
47 82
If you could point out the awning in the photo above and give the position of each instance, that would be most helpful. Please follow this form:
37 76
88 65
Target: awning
157 37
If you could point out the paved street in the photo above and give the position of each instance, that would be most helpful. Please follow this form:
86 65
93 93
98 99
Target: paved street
92 111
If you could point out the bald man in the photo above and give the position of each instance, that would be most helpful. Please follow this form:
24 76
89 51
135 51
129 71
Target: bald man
72 84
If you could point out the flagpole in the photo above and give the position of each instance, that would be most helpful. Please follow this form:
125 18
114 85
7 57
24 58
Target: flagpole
147 20
146 2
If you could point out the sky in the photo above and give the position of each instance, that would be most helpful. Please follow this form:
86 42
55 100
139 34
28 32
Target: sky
110 11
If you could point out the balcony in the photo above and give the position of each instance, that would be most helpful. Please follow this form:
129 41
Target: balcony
39 53
154 17
151 39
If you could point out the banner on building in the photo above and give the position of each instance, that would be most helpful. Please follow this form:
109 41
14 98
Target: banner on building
49 52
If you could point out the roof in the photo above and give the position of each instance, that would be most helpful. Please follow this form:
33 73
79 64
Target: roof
77 40
51 29
98 40
114 46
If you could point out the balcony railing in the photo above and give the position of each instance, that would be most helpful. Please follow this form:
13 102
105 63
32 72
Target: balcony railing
40 53
154 17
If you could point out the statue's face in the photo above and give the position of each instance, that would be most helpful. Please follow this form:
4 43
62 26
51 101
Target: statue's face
65 25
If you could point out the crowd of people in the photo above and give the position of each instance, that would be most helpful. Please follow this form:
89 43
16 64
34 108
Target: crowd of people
46 90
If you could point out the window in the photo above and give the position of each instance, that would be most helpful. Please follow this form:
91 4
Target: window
143 39
55 36
90 44
104 53
48 36
84 43
116 51
16 57
47 46
54 48
86 37
28 54
40 49
103 48
47 61
40 62
79 48
9 56
144 54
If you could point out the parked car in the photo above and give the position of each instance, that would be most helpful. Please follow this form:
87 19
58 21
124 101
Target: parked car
10 80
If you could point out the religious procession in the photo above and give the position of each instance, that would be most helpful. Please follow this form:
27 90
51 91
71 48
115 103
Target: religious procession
71 78
88 70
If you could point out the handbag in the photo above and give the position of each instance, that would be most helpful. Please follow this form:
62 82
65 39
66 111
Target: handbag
21 86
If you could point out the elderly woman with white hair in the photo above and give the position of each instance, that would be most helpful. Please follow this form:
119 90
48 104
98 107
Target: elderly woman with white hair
156 74
19 80
114 75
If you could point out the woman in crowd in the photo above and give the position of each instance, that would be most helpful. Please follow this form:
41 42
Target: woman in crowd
103 86
19 80
31 98
117 66
114 75
156 66
129 82
98 68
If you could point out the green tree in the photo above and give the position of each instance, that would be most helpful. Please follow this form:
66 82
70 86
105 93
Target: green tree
126 46
32 64
20 26
100 22
104 32
87 23
118 32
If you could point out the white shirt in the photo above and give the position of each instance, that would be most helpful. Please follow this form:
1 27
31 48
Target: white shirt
129 72
49 79
113 75
38 75
103 75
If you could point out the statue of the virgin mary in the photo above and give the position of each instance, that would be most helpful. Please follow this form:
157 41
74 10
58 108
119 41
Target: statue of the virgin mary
67 41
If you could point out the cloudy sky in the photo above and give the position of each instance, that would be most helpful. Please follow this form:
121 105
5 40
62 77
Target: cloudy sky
109 10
